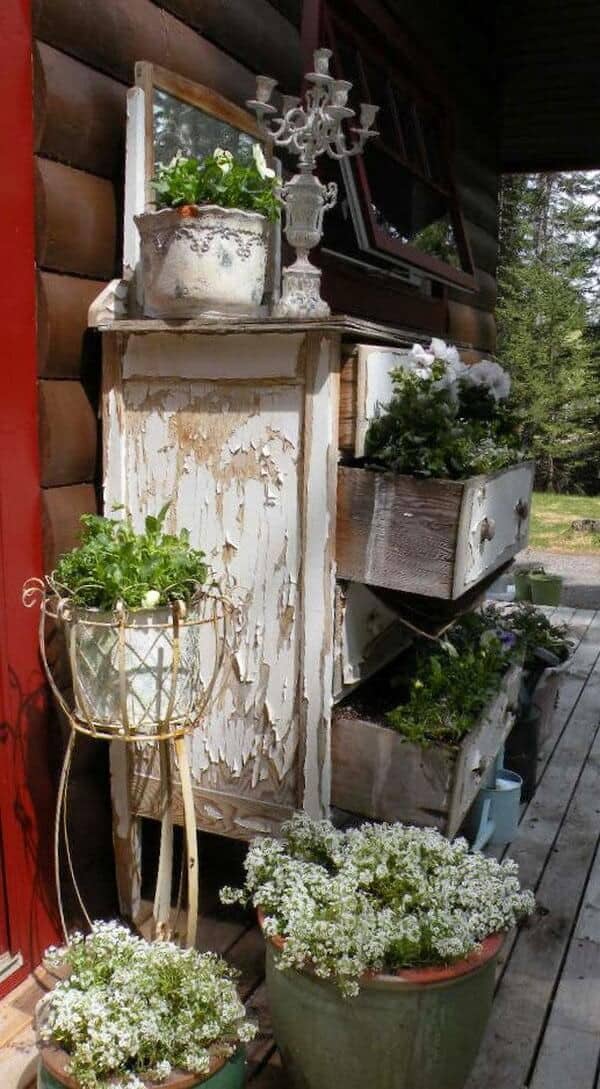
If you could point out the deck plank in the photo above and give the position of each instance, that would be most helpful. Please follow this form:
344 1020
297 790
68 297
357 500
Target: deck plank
532 973
570 1049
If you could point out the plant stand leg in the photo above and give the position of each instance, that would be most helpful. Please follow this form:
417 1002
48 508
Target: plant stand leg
191 839
161 926
127 837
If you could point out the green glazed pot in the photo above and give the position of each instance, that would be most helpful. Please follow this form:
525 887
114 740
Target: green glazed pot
522 586
545 589
419 1029
229 1074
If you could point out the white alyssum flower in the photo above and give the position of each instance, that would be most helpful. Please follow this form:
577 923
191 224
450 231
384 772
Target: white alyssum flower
492 376
261 163
150 599
223 159
377 897
132 1010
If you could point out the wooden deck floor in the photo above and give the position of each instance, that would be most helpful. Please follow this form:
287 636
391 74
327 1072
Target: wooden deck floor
544 1032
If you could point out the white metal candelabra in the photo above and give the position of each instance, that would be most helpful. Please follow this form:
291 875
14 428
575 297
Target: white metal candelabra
309 128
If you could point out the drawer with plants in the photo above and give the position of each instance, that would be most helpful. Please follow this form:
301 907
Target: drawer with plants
414 744
433 492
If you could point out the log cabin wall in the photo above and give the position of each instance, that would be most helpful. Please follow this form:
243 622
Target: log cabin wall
84 56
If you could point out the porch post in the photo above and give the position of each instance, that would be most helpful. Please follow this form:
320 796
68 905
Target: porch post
26 790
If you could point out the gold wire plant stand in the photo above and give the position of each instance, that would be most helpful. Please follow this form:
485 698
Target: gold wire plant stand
139 676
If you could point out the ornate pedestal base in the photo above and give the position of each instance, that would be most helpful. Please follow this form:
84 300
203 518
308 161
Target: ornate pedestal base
301 293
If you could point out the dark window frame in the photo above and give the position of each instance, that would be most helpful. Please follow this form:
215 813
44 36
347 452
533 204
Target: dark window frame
323 20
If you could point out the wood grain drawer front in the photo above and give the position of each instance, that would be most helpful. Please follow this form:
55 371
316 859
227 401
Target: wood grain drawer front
494 523
366 384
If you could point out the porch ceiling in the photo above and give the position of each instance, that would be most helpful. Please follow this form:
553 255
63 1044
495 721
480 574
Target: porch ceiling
548 53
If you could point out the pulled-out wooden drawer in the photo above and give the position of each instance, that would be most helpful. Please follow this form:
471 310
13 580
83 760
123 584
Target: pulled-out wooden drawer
377 773
432 537
365 383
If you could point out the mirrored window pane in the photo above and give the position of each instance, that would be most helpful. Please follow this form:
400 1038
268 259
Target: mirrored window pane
179 126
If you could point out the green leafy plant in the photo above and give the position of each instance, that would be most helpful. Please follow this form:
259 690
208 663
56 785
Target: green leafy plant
132 1010
451 686
219 179
376 898
142 570
445 419
533 629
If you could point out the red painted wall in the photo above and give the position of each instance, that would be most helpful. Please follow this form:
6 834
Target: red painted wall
26 789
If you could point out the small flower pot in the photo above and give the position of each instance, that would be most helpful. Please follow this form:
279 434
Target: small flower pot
416 1029
202 259
545 589
522 586
223 1074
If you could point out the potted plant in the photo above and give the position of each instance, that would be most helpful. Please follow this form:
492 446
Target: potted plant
546 589
442 497
381 949
131 606
132 1014
546 649
415 743
204 249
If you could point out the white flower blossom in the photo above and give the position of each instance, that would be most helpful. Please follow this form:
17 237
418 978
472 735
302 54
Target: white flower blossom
132 1011
261 163
420 361
492 376
150 599
223 159
377 897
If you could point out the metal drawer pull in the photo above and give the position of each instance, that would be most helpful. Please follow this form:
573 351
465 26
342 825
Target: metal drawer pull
487 529
521 508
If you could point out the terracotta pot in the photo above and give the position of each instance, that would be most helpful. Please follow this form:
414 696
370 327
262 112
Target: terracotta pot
223 1074
418 1028
202 259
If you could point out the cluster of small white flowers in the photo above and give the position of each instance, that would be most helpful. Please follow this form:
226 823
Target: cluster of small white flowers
421 362
377 897
132 1010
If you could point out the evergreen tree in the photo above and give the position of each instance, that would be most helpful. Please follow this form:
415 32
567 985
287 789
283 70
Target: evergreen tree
547 319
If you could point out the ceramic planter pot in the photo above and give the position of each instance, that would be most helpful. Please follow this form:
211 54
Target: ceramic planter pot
131 683
202 259
224 1074
545 589
522 586
417 1029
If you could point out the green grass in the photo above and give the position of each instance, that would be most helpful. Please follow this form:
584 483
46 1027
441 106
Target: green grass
551 518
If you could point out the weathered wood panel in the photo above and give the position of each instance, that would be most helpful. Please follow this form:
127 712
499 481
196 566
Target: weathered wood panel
257 34
397 531
378 774
62 308
484 298
472 326
67 430
61 511
79 113
76 221
494 523
112 35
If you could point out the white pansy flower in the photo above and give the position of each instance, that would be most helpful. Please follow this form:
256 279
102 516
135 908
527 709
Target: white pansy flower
492 376
223 159
150 599
420 361
261 163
